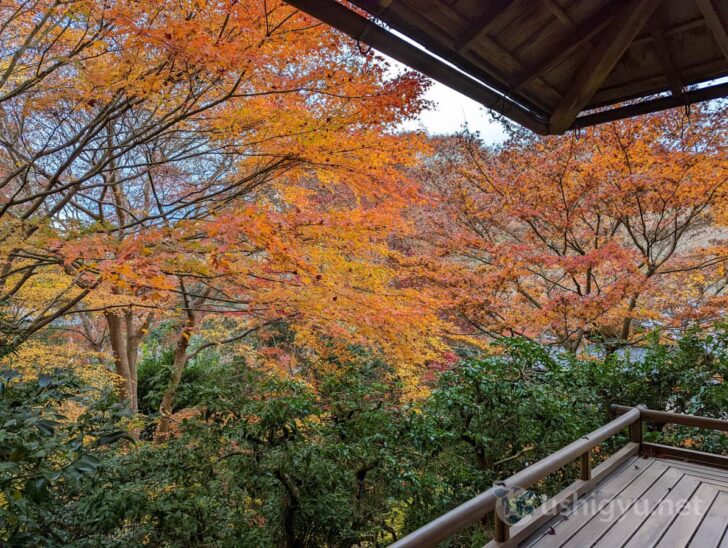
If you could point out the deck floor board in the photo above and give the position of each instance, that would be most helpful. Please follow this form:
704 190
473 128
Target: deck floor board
651 502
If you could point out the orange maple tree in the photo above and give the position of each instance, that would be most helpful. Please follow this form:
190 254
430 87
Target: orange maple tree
186 159
593 237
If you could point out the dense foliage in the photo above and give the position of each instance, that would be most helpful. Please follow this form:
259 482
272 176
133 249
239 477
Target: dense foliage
338 459
54 431
584 239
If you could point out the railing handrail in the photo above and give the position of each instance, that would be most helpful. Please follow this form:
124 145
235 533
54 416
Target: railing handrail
665 417
474 509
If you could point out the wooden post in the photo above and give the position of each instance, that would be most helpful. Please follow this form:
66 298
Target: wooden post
502 529
635 429
586 466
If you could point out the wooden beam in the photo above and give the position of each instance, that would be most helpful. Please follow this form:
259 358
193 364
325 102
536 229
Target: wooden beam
697 23
584 32
560 14
553 56
493 45
347 21
429 36
493 9
688 455
666 417
653 105
714 24
382 7
612 45
662 48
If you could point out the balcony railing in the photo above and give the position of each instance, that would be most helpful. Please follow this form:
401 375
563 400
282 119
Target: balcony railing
474 510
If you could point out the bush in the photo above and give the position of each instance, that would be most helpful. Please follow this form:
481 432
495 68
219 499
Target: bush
337 456
44 454
273 464
491 416
202 380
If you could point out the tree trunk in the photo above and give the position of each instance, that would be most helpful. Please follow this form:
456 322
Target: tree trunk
627 323
178 368
290 509
117 338
181 357
125 339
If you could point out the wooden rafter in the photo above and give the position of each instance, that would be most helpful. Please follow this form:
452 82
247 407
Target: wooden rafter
653 105
494 50
425 32
697 23
662 49
495 46
494 8
560 14
383 6
714 24
612 45
584 32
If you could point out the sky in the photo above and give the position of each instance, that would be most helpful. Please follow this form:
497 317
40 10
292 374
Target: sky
451 111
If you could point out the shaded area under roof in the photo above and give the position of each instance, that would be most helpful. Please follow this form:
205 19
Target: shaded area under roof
551 65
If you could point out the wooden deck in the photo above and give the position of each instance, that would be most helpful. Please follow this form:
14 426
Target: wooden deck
644 495
646 502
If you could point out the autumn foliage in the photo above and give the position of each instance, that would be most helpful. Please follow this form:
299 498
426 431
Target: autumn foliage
593 238
233 170
241 306
203 161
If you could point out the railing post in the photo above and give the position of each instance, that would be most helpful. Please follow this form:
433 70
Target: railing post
586 466
635 429
502 529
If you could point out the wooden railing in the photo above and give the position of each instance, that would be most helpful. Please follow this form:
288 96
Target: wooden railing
659 450
476 508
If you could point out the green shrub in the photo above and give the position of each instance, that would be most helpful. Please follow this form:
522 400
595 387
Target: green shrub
44 456
203 378
271 464
337 456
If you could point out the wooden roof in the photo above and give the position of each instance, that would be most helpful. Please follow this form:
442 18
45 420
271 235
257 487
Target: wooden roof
552 65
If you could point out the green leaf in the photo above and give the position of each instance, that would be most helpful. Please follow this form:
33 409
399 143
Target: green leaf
51 475
113 437
36 489
47 426
86 464
8 468
76 443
